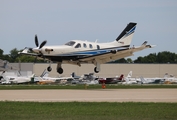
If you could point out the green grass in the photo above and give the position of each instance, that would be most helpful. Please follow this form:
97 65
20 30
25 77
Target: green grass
108 86
87 111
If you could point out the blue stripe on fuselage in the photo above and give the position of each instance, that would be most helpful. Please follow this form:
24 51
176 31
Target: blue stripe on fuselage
92 52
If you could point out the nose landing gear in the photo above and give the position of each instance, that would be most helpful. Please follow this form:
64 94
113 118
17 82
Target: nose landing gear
49 69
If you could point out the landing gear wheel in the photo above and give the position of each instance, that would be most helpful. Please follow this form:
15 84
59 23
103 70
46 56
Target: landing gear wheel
60 70
49 68
95 69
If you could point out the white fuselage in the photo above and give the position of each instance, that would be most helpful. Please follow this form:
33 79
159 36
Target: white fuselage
84 46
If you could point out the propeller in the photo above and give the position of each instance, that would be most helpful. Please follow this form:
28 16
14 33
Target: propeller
37 43
42 44
38 47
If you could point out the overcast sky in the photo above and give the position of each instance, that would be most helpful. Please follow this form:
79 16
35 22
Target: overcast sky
59 21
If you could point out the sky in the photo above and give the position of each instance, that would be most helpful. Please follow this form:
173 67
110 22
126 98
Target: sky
59 21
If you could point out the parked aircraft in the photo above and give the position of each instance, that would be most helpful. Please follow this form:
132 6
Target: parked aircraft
75 76
111 80
131 80
10 79
155 80
78 52
172 79
85 79
45 79
4 66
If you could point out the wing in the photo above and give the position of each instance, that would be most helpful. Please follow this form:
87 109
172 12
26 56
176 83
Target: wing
111 56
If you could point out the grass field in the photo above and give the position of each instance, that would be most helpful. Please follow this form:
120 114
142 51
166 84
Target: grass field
87 111
108 86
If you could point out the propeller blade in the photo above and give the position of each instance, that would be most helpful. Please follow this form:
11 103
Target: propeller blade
36 41
42 44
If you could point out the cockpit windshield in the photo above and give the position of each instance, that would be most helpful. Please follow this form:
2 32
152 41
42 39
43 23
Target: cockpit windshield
71 43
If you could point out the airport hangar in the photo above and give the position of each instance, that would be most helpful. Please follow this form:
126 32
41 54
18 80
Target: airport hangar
107 70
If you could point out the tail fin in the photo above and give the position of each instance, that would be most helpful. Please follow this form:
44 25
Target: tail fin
129 74
121 77
142 80
73 74
126 35
4 75
45 73
166 75
5 64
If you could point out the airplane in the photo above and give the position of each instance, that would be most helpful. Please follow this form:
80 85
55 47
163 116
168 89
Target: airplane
171 79
111 80
45 79
89 78
131 80
4 66
9 79
78 52
155 80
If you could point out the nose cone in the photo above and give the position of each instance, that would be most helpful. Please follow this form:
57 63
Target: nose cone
36 50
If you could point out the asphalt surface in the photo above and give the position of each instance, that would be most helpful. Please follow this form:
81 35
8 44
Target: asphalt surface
99 95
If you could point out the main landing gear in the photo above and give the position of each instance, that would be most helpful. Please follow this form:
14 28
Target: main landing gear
49 69
59 68
97 68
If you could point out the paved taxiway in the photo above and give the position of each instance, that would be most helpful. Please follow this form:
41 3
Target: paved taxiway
99 95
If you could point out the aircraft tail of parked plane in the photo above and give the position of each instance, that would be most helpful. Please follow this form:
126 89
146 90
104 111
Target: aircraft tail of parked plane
129 74
78 52
45 73
3 67
121 77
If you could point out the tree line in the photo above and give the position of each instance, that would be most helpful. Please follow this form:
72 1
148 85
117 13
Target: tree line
160 57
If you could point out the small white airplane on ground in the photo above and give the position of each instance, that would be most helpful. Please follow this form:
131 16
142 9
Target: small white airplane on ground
155 80
78 52
171 79
129 79
10 79
44 78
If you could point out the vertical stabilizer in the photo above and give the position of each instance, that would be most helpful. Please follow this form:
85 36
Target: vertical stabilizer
143 80
121 77
127 31
45 73
125 38
129 74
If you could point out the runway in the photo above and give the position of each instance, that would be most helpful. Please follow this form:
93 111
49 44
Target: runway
97 95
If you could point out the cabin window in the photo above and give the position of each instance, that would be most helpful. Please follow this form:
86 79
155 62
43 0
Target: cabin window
98 47
85 46
90 45
71 43
78 45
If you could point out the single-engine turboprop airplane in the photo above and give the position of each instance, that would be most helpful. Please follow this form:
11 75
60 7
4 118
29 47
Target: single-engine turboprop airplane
77 52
